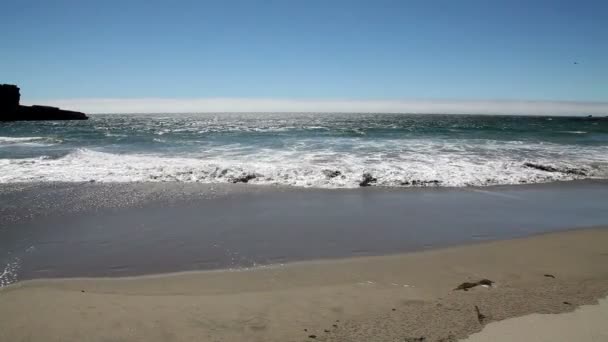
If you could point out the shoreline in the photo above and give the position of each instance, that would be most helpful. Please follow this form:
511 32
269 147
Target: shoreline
380 298
310 262
94 229
245 187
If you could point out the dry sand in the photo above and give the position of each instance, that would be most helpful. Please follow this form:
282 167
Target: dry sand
407 297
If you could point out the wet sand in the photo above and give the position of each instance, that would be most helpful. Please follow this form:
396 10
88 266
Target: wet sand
95 229
403 297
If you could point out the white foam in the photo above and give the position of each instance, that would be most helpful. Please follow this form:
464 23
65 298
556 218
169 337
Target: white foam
18 139
26 141
392 163
9 273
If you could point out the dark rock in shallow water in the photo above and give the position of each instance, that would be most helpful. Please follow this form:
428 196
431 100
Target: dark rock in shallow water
244 178
548 168
367 180
331 173
425 183
11 110
578 172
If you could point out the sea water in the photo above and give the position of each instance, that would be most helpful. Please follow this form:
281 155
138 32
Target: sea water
307 150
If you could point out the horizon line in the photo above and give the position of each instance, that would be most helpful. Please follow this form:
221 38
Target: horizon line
155 105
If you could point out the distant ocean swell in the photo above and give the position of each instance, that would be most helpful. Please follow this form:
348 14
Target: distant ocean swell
322 151
27 141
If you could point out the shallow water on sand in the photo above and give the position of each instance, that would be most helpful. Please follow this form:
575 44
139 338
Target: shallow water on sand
71 230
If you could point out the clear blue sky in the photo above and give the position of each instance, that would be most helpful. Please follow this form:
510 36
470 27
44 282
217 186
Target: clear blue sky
456 49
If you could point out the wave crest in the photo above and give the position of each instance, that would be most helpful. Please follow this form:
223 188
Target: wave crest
323 169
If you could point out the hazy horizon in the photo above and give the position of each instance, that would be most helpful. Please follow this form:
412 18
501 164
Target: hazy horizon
244 105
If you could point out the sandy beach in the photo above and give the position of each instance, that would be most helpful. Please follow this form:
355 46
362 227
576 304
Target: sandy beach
302 171
409 297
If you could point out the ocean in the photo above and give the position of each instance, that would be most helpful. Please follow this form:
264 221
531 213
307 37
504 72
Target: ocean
307 150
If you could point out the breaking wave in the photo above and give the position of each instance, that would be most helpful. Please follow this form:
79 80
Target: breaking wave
307 150
423 164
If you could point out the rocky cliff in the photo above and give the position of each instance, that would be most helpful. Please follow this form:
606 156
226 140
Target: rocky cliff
9 97
11 110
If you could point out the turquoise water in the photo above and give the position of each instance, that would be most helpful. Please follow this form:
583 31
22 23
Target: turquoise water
310 150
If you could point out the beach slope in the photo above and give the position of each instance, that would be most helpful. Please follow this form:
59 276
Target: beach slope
387 298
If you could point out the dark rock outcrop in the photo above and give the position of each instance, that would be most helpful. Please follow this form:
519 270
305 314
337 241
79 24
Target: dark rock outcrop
9 98
11 110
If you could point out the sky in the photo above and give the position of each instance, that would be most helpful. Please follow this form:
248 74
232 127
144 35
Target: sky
329 55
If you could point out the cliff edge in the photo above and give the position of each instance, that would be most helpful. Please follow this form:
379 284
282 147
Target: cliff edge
11 110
